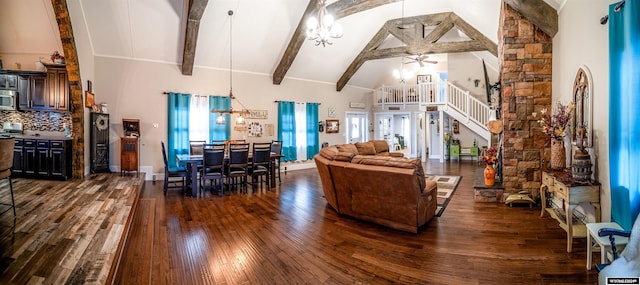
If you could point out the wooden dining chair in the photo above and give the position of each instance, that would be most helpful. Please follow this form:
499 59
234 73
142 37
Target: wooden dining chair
6 163
276 148
172 171
212 167
260 161
237 168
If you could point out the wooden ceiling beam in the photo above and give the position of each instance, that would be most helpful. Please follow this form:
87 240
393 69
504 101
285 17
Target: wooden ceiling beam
373 44
196 10
541 14
339 9
418 42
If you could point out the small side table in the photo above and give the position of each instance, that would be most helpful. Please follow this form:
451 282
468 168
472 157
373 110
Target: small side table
602 244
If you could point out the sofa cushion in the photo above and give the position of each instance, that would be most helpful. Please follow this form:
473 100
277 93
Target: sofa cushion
332 153
366 148
348 147
400 162
381 146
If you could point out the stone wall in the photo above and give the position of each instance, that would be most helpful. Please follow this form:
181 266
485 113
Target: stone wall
524 53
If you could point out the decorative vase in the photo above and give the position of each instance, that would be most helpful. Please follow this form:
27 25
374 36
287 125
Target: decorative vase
558 155
489 175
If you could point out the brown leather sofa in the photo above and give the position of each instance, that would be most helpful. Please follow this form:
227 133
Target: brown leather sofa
390 191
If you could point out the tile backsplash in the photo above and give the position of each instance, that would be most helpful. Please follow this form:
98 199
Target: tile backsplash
37 120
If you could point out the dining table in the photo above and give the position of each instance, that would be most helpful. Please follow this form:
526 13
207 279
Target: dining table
192 161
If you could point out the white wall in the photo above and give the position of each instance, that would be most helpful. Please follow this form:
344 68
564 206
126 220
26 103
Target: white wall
464 68
581 40
134 90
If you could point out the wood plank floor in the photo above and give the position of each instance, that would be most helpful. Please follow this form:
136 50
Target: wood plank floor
66 232
291 236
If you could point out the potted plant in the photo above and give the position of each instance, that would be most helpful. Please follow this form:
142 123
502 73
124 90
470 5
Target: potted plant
56 57
489 172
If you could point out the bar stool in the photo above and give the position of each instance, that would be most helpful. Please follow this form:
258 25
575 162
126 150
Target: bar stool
6 162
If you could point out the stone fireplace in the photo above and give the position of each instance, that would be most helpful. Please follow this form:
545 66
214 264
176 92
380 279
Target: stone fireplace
525 56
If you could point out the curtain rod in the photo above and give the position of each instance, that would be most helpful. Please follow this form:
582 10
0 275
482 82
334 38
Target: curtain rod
276 101
617 8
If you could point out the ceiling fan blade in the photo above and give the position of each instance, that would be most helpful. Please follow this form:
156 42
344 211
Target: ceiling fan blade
430 61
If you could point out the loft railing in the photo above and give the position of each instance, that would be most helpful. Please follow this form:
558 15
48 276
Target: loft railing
437 93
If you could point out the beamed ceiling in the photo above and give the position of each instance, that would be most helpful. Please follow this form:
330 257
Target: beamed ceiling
268 36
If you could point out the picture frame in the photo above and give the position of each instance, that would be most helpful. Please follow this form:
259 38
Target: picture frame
333 126
456 127
423 78
89 99
257 114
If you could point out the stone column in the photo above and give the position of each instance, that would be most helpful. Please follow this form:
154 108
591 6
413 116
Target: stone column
524 53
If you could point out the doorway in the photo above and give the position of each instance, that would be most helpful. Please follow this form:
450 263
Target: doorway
357 127
396 129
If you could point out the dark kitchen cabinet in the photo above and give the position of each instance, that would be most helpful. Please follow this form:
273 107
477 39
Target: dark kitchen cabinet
31 92
18 158
44 91
8 81
57 89
47 159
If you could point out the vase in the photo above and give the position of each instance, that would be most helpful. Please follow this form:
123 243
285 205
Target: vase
558 155
489 175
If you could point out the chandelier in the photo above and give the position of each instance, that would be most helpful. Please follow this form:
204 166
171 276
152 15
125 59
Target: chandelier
220 120
323 27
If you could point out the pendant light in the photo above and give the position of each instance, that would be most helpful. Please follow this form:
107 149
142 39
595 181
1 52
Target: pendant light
221 119
402 74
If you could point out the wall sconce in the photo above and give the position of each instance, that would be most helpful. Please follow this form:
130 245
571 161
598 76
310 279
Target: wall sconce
476 82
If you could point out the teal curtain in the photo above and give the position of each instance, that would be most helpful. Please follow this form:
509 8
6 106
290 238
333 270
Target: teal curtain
177 126
287 129
219 132
624 107
313 139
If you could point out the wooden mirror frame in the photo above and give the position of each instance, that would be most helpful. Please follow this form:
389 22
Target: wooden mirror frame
583 98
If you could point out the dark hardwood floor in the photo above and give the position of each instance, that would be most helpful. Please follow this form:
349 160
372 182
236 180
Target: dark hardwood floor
291 236
65 232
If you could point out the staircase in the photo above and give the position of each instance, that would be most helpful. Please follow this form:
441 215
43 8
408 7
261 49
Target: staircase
442 96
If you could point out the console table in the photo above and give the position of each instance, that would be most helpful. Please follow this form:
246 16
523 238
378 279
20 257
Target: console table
572 193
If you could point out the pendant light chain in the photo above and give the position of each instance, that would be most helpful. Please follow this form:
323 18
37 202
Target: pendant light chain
230 53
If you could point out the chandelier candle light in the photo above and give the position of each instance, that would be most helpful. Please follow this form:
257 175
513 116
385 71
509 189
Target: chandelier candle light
220 120
323 26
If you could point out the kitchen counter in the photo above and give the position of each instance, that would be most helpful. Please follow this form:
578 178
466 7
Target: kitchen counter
39 135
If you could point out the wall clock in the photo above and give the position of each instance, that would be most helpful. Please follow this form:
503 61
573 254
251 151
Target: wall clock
332 112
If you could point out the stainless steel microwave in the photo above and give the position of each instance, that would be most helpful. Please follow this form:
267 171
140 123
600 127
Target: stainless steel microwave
8 99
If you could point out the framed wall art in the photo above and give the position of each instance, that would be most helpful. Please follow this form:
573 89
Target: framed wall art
424 78
89 100
333 126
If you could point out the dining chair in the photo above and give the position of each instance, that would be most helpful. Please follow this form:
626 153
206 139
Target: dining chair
212 166
6 163
237 168
171 172
195 147
260 161
276 148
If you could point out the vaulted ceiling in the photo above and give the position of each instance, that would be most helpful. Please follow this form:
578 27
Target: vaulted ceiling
154 30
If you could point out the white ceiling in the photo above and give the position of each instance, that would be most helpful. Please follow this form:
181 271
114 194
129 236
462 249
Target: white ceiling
154 30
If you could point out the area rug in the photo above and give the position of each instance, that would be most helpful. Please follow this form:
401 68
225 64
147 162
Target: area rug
447 185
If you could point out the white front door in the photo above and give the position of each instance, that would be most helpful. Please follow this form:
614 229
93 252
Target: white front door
356 127
384 128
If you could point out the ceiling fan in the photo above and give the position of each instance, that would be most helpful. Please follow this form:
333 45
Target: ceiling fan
420 59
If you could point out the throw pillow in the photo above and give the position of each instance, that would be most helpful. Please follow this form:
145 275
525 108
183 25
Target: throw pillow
365 148
347 148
